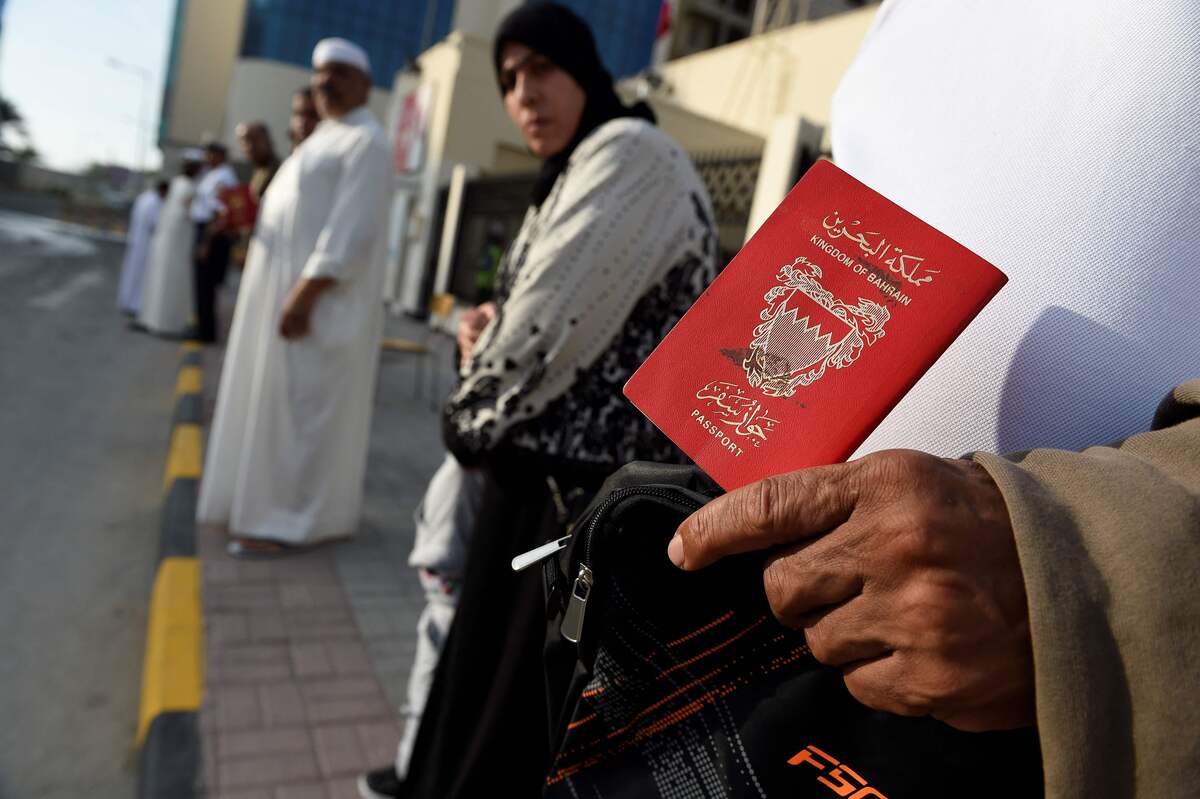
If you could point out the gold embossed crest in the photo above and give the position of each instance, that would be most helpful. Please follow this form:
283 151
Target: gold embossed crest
806 330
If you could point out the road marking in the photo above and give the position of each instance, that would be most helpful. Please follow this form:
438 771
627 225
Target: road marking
53 300
173 673
183 460
189 381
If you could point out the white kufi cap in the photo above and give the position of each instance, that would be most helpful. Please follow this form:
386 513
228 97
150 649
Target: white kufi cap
193 154
340 51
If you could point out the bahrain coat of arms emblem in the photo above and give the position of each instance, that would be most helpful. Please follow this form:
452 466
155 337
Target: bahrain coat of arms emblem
805 330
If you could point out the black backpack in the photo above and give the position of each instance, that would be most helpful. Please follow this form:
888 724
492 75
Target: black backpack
682 684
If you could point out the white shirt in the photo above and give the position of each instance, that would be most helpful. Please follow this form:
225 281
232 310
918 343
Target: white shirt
1059 141
288 448
208 192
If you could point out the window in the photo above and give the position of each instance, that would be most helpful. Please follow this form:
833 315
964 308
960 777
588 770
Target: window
389 30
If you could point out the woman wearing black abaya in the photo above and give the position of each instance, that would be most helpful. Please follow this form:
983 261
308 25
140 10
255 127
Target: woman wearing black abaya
616 245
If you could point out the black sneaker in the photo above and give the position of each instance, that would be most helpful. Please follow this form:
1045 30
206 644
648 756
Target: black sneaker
382 783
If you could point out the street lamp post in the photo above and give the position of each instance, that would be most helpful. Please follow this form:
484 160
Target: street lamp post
142 74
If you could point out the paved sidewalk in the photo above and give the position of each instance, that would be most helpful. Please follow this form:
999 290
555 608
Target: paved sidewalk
308 655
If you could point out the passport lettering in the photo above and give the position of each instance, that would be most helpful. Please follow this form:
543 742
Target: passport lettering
812 333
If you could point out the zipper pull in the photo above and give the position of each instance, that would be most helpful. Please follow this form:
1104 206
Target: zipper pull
572 623
538 554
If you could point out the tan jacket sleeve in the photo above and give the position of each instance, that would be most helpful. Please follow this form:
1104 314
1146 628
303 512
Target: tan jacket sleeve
1109 542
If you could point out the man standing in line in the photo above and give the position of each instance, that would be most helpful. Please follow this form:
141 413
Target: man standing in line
142 219
212 243
255 141
167 299
304 119
288 448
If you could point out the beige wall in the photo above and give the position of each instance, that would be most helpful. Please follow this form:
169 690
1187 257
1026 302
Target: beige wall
208 47
792 71
469 126
262 90
481 18
697 133
468 123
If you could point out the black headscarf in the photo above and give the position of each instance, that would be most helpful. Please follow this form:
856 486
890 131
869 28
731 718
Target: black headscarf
560 35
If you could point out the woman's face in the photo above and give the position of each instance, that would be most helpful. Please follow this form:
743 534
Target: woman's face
544 101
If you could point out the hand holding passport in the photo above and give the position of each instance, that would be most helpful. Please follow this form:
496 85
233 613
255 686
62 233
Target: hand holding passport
901 566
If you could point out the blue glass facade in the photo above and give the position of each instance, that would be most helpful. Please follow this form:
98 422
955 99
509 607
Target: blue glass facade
624 31
391 31
164 119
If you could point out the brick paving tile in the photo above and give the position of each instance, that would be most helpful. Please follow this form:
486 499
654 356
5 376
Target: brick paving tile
266 625
266 770
210 767
379 741
226 628
339 751
242 596
339 688
282 704
219 571
256 663
245 743
235 707
344 788
311 659
348 709
309 791
320 624
253 793
350 658
293 595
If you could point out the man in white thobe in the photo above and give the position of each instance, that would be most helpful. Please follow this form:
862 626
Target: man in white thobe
142 219
213 241
288 448
166 305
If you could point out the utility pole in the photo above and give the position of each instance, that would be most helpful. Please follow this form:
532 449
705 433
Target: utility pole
143 75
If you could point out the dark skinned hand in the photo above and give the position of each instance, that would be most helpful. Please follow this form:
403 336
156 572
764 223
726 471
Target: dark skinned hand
901 569
295 318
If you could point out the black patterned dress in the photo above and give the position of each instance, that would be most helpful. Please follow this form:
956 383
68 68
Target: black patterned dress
599 273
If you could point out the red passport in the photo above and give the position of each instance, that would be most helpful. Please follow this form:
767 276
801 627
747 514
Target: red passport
812 334
241 207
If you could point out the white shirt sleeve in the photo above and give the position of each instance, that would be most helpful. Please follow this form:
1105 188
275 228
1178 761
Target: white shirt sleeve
345 242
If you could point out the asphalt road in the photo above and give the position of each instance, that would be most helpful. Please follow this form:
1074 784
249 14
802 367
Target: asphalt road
85 407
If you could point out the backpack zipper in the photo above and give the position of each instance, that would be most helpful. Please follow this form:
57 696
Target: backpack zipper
572 623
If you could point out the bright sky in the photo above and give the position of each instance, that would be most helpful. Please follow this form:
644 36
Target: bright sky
54 66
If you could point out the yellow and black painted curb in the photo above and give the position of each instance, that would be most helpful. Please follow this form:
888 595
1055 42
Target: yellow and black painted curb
168 734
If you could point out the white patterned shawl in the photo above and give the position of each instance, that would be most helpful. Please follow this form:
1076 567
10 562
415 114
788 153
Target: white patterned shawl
597 275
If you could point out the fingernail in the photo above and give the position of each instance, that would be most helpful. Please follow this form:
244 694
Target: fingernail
675 551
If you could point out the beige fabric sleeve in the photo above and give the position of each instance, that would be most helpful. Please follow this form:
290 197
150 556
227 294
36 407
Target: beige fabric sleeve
1109 542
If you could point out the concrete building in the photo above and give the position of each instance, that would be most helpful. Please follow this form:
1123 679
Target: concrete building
699 25
238 60
776 85
753 109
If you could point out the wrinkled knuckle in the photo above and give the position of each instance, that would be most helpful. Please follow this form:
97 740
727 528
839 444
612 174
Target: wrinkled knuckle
914 703
913 531
870 693
762 504
781 596
817 638
697 533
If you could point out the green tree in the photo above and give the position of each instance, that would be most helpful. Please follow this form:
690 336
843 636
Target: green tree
15 141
